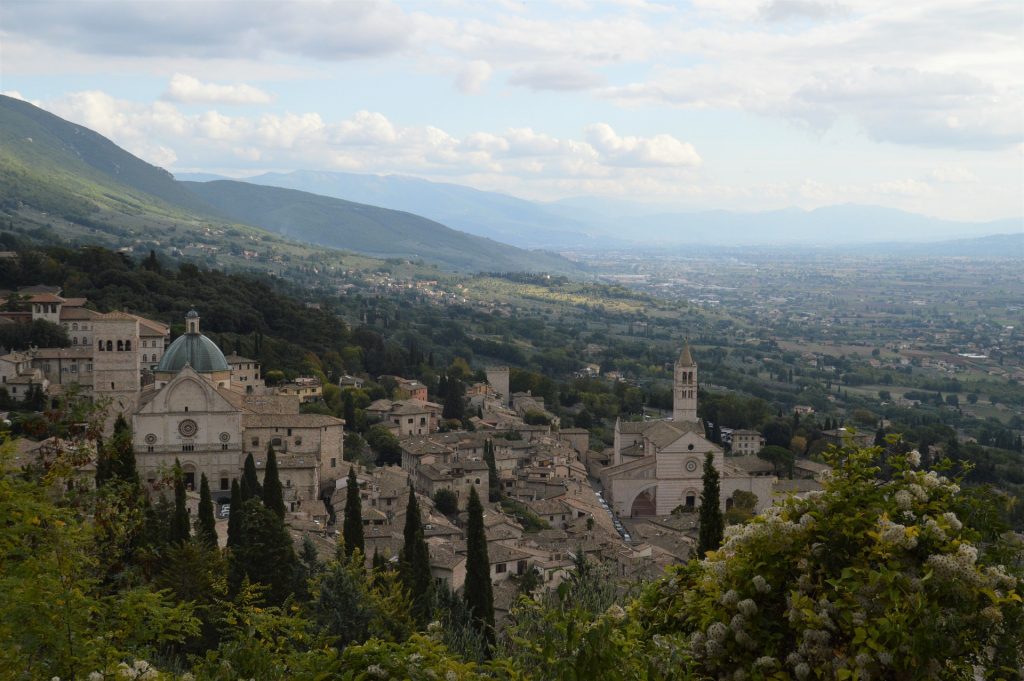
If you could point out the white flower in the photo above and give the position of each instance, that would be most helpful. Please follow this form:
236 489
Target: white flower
766 661
747 606
761 584
904 500
450 675
95 676
730 598
377 670
954 522
717 632
914 457
616 612
802 671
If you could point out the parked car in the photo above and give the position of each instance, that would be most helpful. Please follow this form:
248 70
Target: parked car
225 510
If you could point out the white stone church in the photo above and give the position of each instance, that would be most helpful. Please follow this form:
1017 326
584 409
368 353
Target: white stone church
657 466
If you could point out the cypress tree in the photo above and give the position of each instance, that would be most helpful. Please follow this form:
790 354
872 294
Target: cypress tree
711 523
263 552
353 528
493 483
206 529
416 563
250 486
273 495
179 521
236 513
478 592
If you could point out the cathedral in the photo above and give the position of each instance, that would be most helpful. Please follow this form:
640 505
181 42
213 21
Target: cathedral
657 466
209 413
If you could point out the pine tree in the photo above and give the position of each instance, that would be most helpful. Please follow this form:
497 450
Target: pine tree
353 528
349 413
478 591
416 563
273 495
236 513
711 523
206 529
250 486
263 552
179 521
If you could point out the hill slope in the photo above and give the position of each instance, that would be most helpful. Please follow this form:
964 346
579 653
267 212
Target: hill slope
487 214
368 229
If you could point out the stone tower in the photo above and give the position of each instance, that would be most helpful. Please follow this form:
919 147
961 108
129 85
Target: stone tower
116 367
498 378
684 388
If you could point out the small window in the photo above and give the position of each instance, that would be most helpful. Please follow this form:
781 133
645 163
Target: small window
334 463
224 448
186 408
149 448
188 448
255 442
120 346
500 568
128 345
225 483
276 442
289 432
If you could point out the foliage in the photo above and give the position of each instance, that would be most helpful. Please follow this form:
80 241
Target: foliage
250 485
273 495
415 563
780 457
385 444
353 529
711 522
493 482
446 502
206 527
477 589
179 521
263 553
867 579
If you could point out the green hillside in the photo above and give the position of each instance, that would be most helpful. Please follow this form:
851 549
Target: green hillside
367 229
78 185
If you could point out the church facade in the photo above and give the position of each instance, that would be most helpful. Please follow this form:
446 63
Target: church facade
657 466
199 413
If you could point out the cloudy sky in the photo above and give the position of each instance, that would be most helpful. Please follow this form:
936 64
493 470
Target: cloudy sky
735 104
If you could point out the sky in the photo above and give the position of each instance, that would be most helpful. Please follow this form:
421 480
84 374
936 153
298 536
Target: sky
709 104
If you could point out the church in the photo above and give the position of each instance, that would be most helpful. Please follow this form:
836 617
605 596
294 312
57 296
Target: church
657 466
209 414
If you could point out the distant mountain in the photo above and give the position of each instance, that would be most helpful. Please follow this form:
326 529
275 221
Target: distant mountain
488 214
367 229
70 179
994 246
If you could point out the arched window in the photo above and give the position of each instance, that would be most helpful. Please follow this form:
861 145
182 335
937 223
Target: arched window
74 340
120 346
110 346
145 358
74 327
128 345
100 345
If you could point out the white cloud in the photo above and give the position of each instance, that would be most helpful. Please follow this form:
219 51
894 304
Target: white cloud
659 150
187 89
473 76
953 175
556 77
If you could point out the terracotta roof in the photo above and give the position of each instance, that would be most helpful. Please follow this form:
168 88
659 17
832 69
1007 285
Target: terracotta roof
76 313
289 421
116 315
45 298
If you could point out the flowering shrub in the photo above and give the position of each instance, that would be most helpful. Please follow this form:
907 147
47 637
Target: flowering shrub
868 579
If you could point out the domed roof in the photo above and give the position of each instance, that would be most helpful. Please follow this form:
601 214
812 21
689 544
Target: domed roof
196 350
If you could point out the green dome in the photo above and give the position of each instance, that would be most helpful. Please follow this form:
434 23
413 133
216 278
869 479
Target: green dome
196 350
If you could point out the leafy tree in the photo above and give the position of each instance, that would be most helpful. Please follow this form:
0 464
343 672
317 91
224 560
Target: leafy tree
206 528
341 608
250 486
780 457
454 400
179 522
353 529
385 444
477 590
711 522
777 433
446 502
415 563
874 578
273 495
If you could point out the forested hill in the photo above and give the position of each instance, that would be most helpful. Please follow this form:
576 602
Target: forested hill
71 180
326 221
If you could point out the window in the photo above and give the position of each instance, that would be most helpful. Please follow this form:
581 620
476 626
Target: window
224 448
186 408
289 432
255 442
334 462
110 346
499 568
100 343
145 358
74 340
287 483
120 346
128 345
190 447
478 481
276 442
74 327
225 483
149 448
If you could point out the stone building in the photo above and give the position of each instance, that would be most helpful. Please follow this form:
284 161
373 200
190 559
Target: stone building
658 465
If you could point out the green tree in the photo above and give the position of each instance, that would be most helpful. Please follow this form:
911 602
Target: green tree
385 445
415 561
353 528
446 502
493 482
780 457
478 591
234 513
711 522
250 486
273 495
206 528
179 522
263 553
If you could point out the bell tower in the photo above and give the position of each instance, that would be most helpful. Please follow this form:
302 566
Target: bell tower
684 388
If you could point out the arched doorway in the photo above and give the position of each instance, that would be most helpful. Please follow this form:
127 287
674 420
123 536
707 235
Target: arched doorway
645 503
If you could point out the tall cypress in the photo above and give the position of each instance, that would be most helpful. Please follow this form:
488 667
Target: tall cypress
250 486
353 528
478 592
273 495
416 563
236 513
711 522
206 529
493 483
179 521
263 552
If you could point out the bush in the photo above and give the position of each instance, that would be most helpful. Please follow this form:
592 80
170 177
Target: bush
446 502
